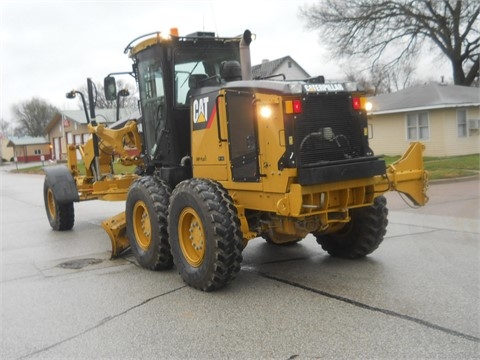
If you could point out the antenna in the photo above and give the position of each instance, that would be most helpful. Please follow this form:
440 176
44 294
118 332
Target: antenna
213 17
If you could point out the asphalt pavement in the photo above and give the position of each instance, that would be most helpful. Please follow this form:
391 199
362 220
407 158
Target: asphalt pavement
416 297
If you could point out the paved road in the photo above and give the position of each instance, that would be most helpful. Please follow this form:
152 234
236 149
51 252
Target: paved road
416 297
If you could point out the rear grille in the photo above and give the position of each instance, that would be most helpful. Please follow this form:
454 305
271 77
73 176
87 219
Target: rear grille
328 130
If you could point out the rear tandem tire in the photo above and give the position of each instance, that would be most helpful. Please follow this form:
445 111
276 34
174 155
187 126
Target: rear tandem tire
146 218
60 216
362 235
205 234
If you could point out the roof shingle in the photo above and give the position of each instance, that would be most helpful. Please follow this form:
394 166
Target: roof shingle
25 140
429 96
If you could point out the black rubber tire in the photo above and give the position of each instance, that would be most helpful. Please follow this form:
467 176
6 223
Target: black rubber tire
146 217
60 216
205 235
362 235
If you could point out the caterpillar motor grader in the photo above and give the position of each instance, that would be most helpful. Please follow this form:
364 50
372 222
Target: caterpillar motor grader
226 158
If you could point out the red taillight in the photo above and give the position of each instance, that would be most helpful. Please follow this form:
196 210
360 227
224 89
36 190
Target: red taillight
297 106
356 103
293 106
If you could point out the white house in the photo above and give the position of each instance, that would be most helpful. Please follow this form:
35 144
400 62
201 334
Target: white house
446 118
284 66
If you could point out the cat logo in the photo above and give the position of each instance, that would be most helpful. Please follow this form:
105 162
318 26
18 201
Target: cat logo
202 114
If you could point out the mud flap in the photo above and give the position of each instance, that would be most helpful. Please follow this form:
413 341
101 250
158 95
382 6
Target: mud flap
116 227
62 183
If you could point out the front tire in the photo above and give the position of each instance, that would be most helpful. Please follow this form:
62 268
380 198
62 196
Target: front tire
146 217
362 235
205 235
60 216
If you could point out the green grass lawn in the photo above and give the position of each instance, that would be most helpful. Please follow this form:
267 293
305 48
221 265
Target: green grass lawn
448 167
438 167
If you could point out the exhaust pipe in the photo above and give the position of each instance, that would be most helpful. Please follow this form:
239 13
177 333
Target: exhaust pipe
245 60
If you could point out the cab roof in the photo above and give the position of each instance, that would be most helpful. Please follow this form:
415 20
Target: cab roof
160 38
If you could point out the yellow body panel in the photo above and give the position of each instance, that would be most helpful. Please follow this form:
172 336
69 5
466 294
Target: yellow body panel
294 210
109 188
209 154
290 210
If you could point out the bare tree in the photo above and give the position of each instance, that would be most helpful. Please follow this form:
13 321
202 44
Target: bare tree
4 127
379 80
402 78
126 102
32 116
390 32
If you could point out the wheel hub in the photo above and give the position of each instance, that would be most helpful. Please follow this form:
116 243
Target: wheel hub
51 203
191 237
196 235
141 225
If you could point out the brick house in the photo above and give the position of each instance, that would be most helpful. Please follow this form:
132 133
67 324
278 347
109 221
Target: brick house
30 149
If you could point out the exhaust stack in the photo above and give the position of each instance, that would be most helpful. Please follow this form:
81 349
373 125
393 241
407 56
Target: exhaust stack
245 55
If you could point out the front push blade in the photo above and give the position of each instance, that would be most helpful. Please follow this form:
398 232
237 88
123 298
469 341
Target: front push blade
116 228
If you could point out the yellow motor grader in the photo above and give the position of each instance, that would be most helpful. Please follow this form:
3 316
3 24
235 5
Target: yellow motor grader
226 158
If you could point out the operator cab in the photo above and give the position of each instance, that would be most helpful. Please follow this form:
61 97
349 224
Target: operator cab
168 69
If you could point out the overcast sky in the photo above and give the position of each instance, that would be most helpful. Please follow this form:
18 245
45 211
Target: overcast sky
50 47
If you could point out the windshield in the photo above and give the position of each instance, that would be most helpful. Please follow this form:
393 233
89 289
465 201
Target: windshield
203 64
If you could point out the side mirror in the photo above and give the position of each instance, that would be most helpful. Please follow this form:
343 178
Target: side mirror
110 88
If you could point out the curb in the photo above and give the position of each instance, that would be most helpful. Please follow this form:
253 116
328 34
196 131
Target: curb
454 180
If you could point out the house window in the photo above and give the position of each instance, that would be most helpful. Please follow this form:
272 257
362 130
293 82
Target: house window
417 126
37 152
69 138
462 130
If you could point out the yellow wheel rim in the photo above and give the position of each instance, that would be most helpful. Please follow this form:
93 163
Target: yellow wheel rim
51 203
142 227
191 237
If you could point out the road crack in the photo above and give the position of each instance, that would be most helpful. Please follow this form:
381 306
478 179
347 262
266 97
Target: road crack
102 322
368 307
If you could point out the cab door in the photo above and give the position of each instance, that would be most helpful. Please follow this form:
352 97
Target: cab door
242 135
153 109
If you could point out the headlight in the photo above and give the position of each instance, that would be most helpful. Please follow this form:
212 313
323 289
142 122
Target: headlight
265 111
